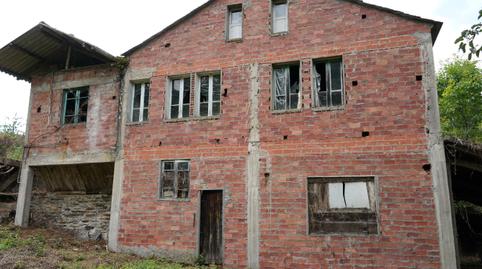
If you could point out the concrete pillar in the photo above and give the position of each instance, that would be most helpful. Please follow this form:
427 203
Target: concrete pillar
115 205
24 196
253 169
436 152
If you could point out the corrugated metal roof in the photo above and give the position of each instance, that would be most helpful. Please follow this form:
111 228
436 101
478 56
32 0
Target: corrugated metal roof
44 48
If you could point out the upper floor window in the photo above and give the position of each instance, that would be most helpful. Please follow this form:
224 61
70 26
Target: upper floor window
279 16
328 83
342 205
174 183
286 87
179 97
208 95
75 105
140 102
235 22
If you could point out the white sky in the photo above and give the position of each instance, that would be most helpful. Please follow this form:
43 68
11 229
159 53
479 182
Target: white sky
117 26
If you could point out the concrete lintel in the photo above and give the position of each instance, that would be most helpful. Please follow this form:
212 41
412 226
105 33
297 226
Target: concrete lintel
436 152
62 159
24 196
109 79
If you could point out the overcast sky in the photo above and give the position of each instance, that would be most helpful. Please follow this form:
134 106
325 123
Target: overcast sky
117 26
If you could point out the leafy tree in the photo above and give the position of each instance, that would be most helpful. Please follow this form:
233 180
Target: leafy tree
467 38
11 140
460 97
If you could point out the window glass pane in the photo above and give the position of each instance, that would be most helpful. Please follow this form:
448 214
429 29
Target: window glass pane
176 86
168 166
336 99
84 93
335 196
280 10
336 76
235 32
70 107
183 166
185 111
216 108
203 109
187 90
280 25
236 18
146 95
145 116
70 94
135 115
280 81
174 112
167 186
280 103
216 87
293 101
204 94
137 96
356 194
182 184
83 106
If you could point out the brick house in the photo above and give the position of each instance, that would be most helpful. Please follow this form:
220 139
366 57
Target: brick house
255 133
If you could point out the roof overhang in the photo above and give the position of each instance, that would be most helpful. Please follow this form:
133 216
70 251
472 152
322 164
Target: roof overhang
45 49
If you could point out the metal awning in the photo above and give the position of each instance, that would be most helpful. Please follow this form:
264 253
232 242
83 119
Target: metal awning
44 49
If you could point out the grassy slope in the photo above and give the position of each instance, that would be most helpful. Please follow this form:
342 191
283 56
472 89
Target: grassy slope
42 248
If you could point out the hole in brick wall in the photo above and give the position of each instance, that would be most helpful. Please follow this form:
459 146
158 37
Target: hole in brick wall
217 140
364 16
167 45
39 109
427 167
225 92
114 97
354 83
266 174
365 134
285 137
160 143
419 78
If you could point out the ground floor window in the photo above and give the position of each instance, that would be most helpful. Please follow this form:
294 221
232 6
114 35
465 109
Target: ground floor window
174 183
342 205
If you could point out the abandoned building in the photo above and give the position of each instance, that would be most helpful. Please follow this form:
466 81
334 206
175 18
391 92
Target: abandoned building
252 133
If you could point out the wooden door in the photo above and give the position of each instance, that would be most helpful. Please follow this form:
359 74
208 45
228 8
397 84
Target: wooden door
211 230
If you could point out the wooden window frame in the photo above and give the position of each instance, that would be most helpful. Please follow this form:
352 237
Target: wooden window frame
327 62
287 89
180 103
326 220
175 186
232 9
141 105
210 102
273 4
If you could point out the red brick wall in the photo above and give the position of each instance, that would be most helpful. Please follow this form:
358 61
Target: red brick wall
380 52
46 132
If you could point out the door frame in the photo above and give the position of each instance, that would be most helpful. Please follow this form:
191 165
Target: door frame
198 221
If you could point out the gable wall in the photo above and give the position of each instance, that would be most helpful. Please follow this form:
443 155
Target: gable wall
381 53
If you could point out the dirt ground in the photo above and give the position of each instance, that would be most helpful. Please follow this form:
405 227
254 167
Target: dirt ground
48 248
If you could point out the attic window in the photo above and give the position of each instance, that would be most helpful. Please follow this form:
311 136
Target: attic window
235 22
342 205
279 17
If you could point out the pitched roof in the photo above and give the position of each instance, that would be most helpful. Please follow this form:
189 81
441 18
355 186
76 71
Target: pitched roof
436 25
44 48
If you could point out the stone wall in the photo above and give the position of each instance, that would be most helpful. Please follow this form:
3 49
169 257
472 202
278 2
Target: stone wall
85 215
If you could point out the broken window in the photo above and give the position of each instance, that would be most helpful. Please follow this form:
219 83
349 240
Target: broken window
75 106
174 180
328 83
342 205
140 102
235 22
286 87
179 98
208 95
279 16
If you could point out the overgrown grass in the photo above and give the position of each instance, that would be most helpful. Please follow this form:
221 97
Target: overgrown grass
9 238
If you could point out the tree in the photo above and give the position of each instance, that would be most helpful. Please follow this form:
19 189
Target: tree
11 140
460 97
467 38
